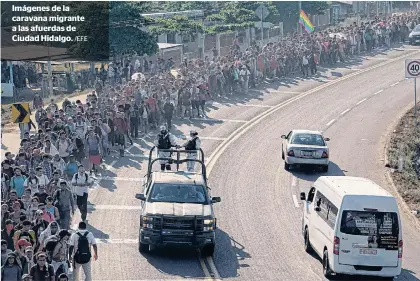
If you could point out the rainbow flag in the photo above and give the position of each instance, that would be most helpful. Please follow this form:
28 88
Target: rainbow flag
306 22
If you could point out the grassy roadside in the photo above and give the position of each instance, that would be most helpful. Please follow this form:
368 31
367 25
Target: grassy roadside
405 143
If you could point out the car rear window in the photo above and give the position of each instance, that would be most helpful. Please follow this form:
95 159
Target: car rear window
308 139
381 228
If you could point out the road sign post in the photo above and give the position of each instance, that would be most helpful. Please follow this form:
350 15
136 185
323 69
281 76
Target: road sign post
412 70
262 12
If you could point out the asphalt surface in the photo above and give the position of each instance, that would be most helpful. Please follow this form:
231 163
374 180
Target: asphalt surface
259 236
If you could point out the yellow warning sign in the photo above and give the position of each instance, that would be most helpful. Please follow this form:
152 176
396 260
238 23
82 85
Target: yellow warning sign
21 113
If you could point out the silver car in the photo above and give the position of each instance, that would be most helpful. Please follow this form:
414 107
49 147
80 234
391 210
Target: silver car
305 147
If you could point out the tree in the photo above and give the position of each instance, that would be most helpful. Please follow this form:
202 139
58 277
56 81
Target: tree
240 15
315 7
177 24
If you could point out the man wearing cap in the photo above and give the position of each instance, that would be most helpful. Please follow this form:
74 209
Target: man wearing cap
165 140
193 144
63 200
4 252
42 271
8 233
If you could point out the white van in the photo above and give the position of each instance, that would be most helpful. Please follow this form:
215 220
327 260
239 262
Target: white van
354 226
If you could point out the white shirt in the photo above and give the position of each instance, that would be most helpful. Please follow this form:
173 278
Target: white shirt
32 184
74 239
79 190
43 180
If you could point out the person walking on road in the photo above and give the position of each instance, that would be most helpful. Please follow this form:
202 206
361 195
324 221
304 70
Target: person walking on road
168 111
80 244
42 271
193 144
63 200
81 182
165 140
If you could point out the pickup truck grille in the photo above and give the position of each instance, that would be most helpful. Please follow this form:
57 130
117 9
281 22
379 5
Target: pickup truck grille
178 223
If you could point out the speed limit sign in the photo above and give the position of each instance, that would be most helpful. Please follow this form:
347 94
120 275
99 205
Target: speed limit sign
412 68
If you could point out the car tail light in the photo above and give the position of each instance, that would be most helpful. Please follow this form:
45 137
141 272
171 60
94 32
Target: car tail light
400 249
324 154
290 153
336 247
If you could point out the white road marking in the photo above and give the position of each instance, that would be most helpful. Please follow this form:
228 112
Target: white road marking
112 207
345 111
222 120
110 167
287 92
213 138
181 278
378 92
106 178
329 123
364 139
295 201
213 267
396 83
294 181
362 101
116 241
373 58
254 105
203 266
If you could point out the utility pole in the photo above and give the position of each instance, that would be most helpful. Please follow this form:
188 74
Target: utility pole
50 80
377 8
299 9
357 13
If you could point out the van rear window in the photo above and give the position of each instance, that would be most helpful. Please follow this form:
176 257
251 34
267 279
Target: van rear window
381 227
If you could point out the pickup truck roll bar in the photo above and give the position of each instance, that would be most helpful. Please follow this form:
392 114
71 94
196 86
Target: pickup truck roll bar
178 159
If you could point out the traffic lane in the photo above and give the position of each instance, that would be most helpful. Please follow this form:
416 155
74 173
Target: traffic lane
123 261
362 130
260 148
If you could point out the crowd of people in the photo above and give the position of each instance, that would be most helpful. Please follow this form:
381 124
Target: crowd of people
61 151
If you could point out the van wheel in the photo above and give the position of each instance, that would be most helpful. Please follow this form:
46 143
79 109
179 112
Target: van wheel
208 250
326 265
308 247
388 278
282 153
325 169
286 166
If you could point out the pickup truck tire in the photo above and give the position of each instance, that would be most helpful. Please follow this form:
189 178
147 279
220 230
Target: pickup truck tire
208 250
144 248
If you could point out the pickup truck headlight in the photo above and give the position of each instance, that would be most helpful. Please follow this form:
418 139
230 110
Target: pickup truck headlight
209 224
147 221
410 35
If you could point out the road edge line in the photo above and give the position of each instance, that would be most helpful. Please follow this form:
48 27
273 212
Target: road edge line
388 176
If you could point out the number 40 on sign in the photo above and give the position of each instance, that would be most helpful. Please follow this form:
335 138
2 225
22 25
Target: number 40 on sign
412 68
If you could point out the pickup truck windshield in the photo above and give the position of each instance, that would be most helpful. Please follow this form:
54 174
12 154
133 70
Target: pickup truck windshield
381 228
178 193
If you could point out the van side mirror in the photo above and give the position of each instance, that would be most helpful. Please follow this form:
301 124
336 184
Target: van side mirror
283 137
327 139
303 196
141 197
216 199
317 209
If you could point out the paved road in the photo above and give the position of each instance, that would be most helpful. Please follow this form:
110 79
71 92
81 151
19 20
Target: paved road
259 224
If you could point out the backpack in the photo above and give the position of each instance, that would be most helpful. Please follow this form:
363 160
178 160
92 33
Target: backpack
82 254
77 177
51 242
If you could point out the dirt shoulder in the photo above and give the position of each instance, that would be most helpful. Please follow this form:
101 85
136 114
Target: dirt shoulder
405 142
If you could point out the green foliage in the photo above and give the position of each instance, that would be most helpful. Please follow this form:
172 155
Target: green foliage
179 24
131 40
315 7
240 15
208 7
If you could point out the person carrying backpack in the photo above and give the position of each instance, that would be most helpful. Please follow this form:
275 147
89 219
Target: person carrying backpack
81 182
80 244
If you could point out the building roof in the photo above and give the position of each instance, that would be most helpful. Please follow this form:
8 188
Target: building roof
163 46
343 2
